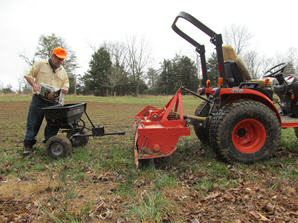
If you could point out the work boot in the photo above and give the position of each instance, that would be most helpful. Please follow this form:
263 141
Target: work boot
28 147
27 150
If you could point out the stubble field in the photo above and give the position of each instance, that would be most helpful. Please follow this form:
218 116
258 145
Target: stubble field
99 182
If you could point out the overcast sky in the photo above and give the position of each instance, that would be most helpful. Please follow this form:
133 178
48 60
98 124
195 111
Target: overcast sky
86 23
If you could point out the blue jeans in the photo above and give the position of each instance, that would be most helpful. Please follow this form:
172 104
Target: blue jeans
34 121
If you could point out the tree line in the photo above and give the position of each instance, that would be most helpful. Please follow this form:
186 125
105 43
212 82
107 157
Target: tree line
112 72
119 69
122 68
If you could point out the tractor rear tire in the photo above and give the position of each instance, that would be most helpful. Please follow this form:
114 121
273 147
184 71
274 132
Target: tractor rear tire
245 131
201 131
58 146
296 131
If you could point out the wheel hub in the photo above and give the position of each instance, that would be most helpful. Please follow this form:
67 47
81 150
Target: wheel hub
57 149
241 132
249 135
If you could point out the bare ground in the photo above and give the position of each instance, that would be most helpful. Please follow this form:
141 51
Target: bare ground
35 196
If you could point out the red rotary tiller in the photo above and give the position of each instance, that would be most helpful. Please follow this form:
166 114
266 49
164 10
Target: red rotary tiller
158 130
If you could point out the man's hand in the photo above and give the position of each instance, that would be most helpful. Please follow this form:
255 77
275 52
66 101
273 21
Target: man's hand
64 90
35 88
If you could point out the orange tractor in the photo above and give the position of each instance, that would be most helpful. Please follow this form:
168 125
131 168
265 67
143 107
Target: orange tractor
240 118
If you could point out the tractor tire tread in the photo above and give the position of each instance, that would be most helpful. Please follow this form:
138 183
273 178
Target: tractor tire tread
201 131
221 123
296 131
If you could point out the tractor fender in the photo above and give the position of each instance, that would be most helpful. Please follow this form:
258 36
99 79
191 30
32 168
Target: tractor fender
228 95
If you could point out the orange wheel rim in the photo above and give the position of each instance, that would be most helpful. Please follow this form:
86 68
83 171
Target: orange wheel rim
249 136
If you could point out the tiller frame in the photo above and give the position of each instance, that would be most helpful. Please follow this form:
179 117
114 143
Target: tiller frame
158 130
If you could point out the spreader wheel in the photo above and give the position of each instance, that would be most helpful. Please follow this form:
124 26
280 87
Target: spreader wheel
245 131
58 146
201 131
77 141
296 131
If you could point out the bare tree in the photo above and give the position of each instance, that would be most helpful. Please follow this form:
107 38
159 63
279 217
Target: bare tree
238 37
136 60
291 59
119 69
27 60
118 72
23 86
152 77
251 61
117 53
257 65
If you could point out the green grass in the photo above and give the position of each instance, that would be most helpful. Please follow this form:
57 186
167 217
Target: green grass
289 140
151 207
63 215
143 99
165 181
147 194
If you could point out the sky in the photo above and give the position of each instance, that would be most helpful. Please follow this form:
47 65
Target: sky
84 24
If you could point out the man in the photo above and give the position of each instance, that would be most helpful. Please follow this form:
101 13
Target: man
52 73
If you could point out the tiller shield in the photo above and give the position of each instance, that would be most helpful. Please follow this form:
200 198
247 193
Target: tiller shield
157 131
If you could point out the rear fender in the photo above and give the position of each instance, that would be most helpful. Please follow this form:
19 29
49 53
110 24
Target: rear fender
228 95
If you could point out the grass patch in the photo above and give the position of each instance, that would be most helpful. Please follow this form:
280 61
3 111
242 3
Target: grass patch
151 207
165 181
142 99
103 172
63 215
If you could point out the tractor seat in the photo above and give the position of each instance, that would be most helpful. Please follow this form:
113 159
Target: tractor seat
236 70
233 74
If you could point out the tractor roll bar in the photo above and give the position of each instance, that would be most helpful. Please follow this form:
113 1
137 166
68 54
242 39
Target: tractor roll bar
216 39
199 48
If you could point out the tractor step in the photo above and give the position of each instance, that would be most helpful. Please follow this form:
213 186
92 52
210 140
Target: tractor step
288 122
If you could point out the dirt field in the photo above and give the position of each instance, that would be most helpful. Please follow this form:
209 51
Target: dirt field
99 182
